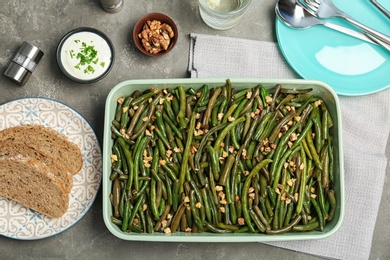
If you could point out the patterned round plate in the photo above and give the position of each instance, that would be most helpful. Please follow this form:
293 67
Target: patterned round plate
19 222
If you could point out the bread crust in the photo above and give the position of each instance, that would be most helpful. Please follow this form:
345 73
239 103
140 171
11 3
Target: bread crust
37 165
48 142
32 184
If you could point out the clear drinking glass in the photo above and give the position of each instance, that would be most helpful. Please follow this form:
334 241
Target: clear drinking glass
222 14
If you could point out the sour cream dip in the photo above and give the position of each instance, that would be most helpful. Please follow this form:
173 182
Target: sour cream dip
85 55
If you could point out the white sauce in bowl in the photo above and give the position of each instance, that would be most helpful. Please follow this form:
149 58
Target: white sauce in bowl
86 55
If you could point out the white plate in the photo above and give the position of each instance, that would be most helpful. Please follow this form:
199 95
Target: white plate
19 222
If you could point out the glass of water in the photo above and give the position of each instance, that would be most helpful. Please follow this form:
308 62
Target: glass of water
222 14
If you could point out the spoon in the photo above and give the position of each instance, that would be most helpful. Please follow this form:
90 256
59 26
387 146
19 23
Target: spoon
295 15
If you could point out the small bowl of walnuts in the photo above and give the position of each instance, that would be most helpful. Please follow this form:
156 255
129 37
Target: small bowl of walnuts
155 34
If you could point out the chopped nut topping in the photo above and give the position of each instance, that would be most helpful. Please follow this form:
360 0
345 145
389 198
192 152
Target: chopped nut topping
114 158
222 209
241 221
221 194
318 103
188 229
224 154
220 116
156 36
120 100
251 195
135 107
218 188
302 166
125 109
177 150
246 173
251 189
186 199
313 196
198 205
296 196
197 116
198 125
148 133
297 118
193 149
268 100
168 153
147 165
248 94
144 207
293 137
167 230
223 202
230 119
163 162
169 98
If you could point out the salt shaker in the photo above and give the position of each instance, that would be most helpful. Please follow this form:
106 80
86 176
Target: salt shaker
24 63
112 6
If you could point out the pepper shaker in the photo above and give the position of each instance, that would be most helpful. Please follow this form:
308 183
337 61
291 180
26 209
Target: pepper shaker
112 6
24 63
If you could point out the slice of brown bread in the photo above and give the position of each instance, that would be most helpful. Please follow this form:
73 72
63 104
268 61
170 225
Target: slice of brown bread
31 183
14 148
48 142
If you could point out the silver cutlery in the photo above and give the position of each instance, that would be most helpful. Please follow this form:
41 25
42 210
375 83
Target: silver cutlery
326 9
295 15
380 7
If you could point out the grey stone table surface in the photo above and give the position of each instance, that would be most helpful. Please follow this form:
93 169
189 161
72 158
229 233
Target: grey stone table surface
43 23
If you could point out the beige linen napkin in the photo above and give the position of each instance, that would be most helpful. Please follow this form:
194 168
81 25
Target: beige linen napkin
366 128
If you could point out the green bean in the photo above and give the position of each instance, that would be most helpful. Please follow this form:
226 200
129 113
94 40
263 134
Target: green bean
211 103
224 132
125 112
144 97
182 97
244 195
137 159
137 205
319 213
194 211
215 229
226 170
184 165
177 217
333 204
317 127
287 228
302 185
312 149
307 227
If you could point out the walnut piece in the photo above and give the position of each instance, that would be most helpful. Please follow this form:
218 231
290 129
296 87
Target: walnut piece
156 36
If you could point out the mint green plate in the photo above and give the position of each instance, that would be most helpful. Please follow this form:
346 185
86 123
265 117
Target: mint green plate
350 66
319 89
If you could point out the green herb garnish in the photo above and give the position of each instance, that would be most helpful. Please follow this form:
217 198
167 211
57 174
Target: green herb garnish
87 55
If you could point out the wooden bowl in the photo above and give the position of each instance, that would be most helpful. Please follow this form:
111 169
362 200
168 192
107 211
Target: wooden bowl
139 26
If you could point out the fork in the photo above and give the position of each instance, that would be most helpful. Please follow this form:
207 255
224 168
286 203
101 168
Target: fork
326 9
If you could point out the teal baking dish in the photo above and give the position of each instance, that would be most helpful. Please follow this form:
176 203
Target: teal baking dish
319 89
